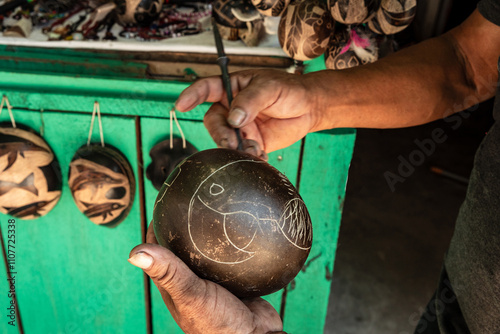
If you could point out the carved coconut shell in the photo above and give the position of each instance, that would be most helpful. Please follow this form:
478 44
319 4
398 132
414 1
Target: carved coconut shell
30 176
305 28
224 12
353 11
271 7
393 16
102 184
141 12
343 52
165 158
235 220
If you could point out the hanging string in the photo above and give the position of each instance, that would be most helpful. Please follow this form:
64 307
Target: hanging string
5 100
174 117
98 110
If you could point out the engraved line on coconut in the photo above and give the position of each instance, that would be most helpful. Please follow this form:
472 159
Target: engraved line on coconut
234 219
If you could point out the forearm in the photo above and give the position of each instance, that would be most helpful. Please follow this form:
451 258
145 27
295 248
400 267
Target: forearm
417 85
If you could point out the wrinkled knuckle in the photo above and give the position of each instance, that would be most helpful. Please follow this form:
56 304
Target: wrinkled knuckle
164 276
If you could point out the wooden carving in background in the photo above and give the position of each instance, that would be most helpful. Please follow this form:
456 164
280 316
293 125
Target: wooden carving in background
271 7
353 11
224 14
350 47
393 16
102 184
305 29
139 11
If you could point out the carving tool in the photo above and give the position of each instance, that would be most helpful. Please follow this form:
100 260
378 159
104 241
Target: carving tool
223 61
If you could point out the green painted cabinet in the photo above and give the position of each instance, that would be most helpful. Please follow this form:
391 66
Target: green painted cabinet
72 276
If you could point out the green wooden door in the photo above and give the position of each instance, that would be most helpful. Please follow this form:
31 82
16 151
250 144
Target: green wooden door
73 276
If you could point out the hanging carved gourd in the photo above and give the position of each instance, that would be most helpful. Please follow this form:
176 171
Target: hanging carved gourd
305 29
351 47
271 7
353 11
393 16
30 176
234 219
101 181
165 156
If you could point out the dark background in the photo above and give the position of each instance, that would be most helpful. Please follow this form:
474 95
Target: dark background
392 244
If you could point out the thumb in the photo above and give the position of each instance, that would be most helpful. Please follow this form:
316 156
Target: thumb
167 271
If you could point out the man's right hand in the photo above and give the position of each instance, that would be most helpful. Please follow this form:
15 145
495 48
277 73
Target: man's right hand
273 109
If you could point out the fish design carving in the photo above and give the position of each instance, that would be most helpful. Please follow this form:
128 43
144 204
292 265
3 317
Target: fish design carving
91 177
104 209
12 147
27 184
32 209
238 221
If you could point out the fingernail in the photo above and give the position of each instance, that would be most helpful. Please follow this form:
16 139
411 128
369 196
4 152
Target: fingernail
236 117
141 260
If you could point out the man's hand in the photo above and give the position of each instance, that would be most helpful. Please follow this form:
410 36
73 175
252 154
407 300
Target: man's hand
198 305
272 108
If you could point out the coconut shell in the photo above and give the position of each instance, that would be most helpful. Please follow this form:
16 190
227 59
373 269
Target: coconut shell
102 184
271 7
393 16
350 48
235 220
353 11
165 157
224 13
305 29
30 176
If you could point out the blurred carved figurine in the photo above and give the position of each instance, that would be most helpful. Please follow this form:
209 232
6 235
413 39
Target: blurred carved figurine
30 176
305 29
238 19
393 16
350 47
21 29
271 7
102 184
132 12
353 11
141 12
